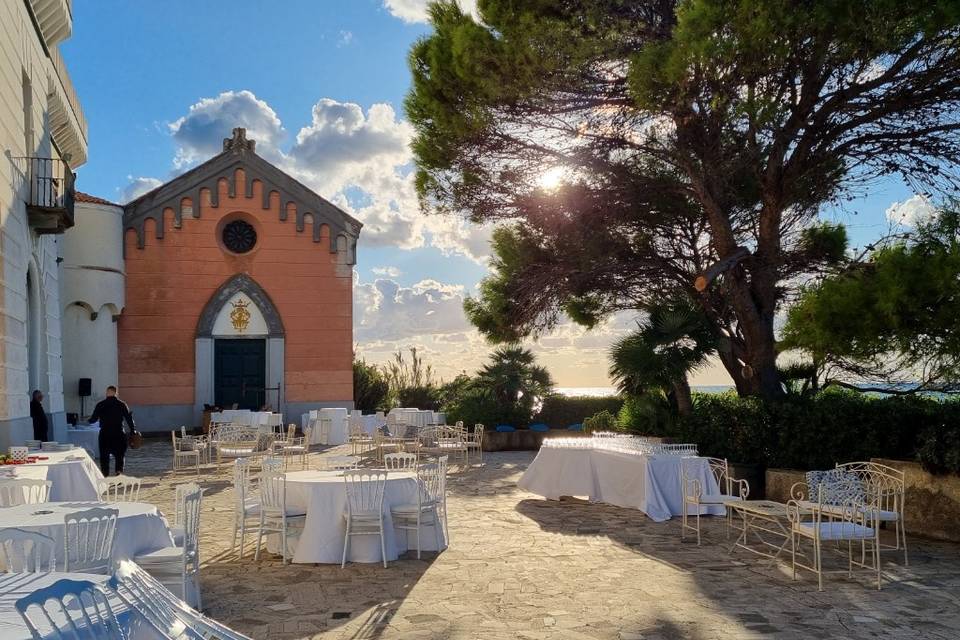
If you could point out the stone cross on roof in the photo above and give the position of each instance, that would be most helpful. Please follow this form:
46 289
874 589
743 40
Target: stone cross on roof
239 141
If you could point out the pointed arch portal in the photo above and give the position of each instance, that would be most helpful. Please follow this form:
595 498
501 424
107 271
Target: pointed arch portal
239 348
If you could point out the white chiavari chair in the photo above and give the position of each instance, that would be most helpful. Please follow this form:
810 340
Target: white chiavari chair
426 510
178 567
27 551
120 489
364 514
400 461
88 538
245 504
71 610
275 516
24 491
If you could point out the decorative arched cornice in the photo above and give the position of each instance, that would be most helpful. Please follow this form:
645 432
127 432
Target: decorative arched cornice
240 283
239 153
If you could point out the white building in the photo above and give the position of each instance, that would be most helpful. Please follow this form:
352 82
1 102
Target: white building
43 138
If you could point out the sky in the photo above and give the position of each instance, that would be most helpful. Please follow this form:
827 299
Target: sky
320 86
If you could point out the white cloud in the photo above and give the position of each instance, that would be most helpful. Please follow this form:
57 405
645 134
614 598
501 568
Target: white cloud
416 10
358 159
345 38
386 311
137 187
911 211
389 272
199 134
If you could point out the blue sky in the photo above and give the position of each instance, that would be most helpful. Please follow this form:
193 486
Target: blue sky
322 84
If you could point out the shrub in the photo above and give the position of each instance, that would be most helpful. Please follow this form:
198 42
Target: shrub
647 414
602 421
562 411
370 387
476 405
815 433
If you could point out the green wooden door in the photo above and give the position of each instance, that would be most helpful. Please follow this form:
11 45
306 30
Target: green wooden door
240 371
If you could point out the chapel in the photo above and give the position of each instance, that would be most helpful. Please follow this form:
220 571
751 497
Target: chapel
230 285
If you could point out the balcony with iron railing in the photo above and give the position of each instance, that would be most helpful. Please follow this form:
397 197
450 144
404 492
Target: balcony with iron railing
48 191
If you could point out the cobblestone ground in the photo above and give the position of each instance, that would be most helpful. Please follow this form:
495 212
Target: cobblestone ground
522 567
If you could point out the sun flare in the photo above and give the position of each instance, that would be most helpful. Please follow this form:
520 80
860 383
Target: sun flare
552 178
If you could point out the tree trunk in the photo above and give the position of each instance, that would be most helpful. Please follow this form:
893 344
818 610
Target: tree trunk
681 393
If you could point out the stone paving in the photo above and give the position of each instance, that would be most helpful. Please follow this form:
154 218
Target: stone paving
519 566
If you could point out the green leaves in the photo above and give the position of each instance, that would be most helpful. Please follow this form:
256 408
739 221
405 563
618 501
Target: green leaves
900 308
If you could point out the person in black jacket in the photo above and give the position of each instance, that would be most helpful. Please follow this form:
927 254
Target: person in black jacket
112 412
39 416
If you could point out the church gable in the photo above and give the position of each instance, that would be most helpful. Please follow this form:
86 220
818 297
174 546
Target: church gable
274 189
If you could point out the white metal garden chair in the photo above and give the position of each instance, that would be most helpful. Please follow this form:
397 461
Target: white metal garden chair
275 516
890 487
360 440
72 610
27 551
88 540
695 495
199 442
245 505
474 441
851 518
235 442
400 461
426 510
338 463
178 567
292 446
184 453
364 514
120 489
24 491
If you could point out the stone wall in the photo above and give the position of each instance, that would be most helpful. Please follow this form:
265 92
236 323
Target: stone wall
30 337
932 506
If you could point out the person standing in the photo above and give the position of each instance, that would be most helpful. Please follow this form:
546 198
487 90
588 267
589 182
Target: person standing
112 412
39 416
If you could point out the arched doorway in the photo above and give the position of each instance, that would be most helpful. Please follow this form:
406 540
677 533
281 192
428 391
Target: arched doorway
240 348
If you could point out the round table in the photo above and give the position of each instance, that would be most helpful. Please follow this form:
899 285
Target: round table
73 474
323 495
14 586
140 527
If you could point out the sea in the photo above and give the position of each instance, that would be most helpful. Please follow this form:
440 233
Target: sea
601 392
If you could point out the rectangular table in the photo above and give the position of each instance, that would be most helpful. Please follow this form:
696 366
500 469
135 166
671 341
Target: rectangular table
650 483
765 527
73 474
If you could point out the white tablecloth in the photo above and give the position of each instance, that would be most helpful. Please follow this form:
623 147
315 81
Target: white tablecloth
417 417
87 438
650 483
339 427
248 418
73 479
323 495
140 527
371 423
14 586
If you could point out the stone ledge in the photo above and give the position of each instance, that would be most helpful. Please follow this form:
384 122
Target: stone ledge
932 507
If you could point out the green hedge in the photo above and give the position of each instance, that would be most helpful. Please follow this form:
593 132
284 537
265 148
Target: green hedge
559 412
816 433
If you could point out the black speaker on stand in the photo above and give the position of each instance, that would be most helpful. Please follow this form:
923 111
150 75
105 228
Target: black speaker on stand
83 390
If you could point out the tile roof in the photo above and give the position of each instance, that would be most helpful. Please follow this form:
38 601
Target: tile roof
80 196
